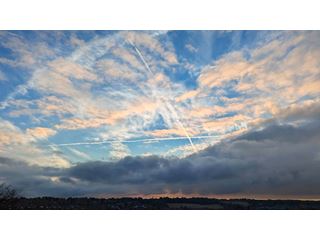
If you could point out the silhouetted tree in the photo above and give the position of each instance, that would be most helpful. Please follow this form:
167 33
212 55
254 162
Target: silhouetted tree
7 192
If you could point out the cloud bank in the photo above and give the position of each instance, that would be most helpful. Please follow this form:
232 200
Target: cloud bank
277 160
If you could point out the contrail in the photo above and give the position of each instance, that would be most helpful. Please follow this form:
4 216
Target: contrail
187 135
21 89
172 108
141 57
181 125
146 140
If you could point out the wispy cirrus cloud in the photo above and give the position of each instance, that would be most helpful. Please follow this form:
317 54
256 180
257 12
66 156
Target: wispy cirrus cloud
21 145
2 76
130 86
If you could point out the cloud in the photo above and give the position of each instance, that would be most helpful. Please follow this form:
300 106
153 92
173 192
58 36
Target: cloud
69 68
10 134
222 124
268 162
24 177
88 87
101 87
41 132
226 69
50 82
150 43
257 82
117 70
2 76
46 107
187 95
21 145
273 65
276 160
28 55
128 57
310 109
170 132
118 151
100 118
203 111
79 153
191 48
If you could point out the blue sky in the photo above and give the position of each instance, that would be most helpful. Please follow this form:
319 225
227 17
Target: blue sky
66 85
70 97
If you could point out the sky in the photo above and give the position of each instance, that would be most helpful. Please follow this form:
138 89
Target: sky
161 113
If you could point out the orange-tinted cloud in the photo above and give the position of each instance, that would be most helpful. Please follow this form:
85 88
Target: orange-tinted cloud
170 132
187 95
41 132
69 68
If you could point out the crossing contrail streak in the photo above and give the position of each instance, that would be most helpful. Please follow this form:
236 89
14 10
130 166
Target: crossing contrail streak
181 125
146 140
141 57
172 108
189 138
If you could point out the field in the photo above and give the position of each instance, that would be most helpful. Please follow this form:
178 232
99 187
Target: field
48 203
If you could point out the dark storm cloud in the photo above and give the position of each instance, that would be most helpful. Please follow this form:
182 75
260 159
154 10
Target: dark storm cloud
284 133
279 159
150 170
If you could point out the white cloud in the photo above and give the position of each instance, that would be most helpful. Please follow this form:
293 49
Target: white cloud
2 76
118 150
20 145
191 48
79 153
104 85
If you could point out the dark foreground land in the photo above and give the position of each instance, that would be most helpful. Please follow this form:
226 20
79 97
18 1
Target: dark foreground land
47 203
